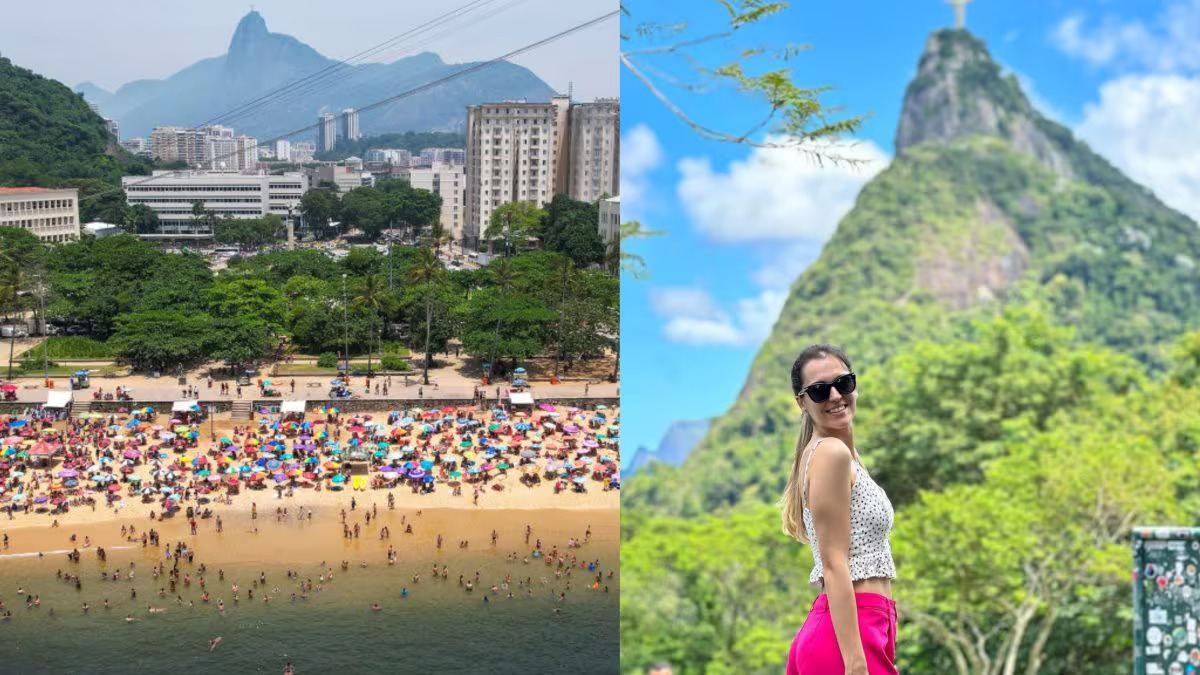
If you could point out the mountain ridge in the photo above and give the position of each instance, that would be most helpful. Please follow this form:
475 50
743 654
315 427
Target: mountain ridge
258 62
986 205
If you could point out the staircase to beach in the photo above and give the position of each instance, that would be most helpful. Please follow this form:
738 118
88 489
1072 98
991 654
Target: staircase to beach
80 409
242 409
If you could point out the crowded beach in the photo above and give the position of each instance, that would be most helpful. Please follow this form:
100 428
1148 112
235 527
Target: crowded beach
145 461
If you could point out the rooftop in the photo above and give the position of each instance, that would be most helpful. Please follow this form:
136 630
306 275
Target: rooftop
18 190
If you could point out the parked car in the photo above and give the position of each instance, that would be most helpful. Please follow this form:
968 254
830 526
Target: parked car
77 330
13 331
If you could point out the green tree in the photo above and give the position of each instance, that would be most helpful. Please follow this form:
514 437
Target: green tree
425 275
139 219
372 297
317 207
161 339
515 221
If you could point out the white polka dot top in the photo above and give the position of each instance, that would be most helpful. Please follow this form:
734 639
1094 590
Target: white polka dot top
871 519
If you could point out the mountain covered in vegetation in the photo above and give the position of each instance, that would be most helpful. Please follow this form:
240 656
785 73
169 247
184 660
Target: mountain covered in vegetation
1023 319
49 137
227 89
987 204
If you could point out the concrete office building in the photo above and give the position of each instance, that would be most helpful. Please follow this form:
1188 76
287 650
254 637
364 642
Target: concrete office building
50 214
170 194
326 132
348 125
346 178
510 157
449 181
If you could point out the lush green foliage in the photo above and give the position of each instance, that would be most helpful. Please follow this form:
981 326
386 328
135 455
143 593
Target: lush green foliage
71 347
1012 546
327 360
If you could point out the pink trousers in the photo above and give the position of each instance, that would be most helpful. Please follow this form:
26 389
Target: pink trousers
815 649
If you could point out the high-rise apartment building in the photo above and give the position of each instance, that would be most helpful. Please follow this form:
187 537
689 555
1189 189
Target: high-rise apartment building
449 181
171 194
247 153
593 160
326 132
137 146
114 129
179 144
431 156
50 214
283 150
302 151
348 125
510 158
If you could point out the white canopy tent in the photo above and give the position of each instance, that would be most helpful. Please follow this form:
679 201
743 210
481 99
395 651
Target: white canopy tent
520 398
292 407
184 406
58 399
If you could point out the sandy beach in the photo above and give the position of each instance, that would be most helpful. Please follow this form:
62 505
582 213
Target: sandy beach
199 492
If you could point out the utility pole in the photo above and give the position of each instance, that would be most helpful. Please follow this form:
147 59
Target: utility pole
345 325
42 319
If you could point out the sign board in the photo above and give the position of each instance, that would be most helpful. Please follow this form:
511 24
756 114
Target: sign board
1166 600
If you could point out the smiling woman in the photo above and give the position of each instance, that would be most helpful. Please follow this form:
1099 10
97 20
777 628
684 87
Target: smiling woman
832 503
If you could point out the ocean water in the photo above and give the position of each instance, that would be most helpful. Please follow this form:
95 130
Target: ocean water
438 628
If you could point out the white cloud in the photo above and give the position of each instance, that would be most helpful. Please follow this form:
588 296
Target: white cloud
1168 43
640 154
693 317
1146 126
776 194
777 203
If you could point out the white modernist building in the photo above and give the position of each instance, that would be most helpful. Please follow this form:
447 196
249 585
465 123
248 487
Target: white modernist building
510 157
171 194
51 214
449 181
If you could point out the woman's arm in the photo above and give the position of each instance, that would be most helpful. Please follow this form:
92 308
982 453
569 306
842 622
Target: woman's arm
829 501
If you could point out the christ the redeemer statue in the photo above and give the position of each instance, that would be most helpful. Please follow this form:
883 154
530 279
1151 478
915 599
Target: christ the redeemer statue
960 12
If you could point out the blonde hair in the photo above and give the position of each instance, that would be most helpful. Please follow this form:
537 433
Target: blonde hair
792 502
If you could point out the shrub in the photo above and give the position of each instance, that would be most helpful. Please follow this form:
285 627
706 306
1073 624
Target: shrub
392 362
327 360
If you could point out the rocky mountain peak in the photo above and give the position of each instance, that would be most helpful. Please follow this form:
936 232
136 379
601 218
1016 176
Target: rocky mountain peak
960 91
251 32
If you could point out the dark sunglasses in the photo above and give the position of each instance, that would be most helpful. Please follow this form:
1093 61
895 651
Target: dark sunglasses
818 392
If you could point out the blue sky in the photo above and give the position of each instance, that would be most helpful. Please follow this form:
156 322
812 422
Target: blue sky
742 223
113 43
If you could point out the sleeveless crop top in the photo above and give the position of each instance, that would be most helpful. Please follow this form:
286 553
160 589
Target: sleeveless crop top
871 519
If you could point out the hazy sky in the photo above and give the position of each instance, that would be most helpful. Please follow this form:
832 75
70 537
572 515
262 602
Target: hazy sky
114 42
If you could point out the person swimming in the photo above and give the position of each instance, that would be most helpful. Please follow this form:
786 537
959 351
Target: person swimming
214 643
404 592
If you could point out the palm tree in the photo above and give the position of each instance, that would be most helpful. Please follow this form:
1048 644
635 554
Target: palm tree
503 276
567 276
427 272
372 297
